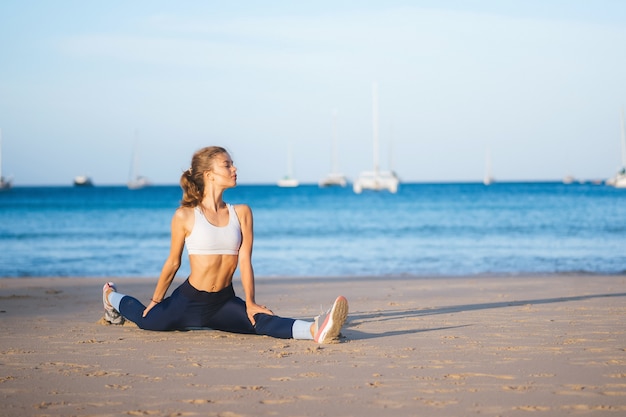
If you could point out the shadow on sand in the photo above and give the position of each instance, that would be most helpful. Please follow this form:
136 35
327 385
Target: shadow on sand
358 318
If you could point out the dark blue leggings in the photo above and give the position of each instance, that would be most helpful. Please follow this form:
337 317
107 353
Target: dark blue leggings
188 308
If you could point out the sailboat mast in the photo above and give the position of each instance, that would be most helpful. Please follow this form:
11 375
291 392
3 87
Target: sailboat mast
135 158
375 124
289 161
335 163
391 148
623 138
487 177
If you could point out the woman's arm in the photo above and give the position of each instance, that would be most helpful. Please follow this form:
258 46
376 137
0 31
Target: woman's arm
172 263
244 213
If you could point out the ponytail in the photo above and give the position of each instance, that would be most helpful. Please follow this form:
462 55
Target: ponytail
192 195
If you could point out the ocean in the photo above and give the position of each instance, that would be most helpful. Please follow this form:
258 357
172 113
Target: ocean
425 230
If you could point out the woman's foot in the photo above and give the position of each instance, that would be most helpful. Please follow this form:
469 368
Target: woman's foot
328 325
110 313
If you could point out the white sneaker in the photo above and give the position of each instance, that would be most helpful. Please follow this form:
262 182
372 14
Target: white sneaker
328 325
110 313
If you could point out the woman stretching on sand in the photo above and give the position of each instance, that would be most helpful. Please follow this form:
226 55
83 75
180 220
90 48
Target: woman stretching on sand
218 237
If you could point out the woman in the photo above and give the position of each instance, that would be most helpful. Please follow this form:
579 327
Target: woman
219 238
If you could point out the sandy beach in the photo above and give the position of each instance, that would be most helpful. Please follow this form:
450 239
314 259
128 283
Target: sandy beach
489 346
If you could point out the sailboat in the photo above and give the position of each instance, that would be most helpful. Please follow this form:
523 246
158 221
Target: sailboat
376 180
335 178
5 183
488 178
288 180
568 179
619 180
136 181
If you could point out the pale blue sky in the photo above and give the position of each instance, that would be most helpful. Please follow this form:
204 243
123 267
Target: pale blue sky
540 83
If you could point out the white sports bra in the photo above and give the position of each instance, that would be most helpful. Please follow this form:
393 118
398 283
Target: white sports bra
207 239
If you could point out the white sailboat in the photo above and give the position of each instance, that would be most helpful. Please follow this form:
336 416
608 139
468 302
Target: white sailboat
568 179
376 180
288 180
335 178
619 180
5 183
136 181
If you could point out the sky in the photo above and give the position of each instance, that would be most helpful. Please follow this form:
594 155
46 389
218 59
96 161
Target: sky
537 85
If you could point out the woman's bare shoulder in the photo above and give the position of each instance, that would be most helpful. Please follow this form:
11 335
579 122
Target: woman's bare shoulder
242 210
242 207
183 213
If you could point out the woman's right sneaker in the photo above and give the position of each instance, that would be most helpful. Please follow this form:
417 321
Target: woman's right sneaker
328 325
110 313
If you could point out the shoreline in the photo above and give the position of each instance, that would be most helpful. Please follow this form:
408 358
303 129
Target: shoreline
305 278
501 345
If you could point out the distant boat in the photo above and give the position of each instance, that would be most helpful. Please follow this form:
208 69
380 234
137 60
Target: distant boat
5 183
568 179
335 178
488 178
619 180
376 180
288 180
83 181
136 181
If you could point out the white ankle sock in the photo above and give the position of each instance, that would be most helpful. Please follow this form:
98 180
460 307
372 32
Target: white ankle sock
115 298
302 330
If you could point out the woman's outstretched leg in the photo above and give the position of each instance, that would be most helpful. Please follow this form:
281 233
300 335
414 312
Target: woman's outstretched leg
233 317
327 326
167 315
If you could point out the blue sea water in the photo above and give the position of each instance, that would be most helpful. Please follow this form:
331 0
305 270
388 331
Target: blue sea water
423 230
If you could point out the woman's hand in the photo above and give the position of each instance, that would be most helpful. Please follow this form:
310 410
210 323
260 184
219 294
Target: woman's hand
253 308
150 306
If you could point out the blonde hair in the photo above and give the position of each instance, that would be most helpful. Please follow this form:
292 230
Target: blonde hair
192 180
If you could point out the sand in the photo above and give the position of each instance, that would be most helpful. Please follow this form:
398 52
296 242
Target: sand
488 346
